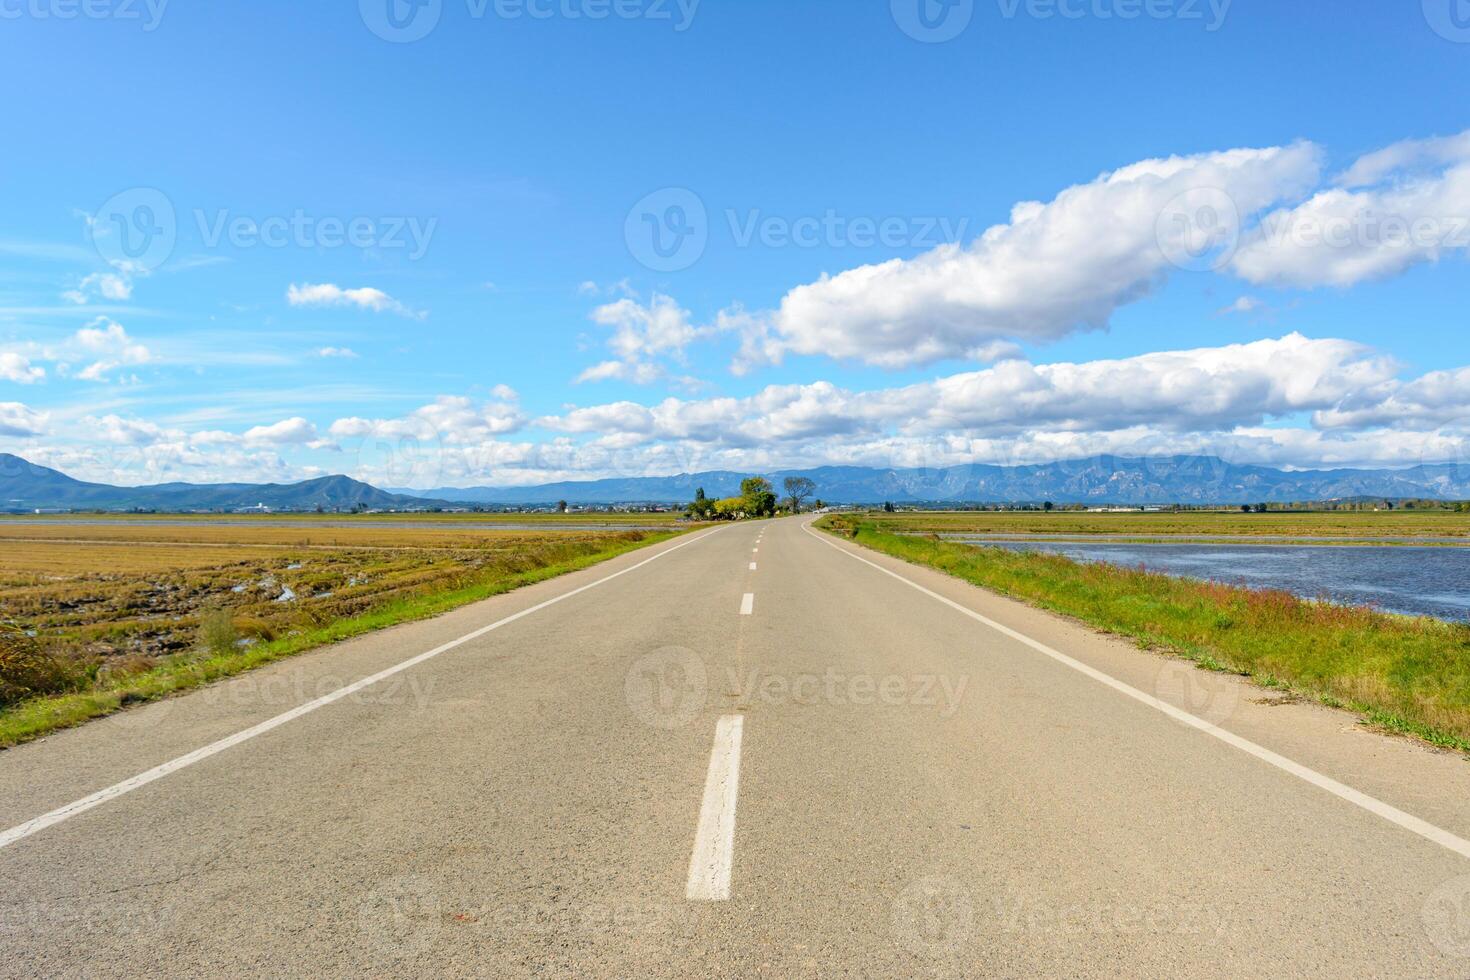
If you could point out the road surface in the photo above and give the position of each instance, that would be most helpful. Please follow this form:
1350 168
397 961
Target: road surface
752 751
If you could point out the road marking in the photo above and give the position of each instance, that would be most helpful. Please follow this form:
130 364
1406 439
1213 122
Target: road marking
86 803
714 838
747 604
1377 807
752 566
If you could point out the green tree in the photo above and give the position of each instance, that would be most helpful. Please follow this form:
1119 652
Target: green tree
758 497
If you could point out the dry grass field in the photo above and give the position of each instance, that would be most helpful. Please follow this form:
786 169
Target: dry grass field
96 614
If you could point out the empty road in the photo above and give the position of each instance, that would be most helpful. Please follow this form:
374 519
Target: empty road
751 751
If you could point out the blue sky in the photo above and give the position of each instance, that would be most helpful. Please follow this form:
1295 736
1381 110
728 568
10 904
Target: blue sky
431 262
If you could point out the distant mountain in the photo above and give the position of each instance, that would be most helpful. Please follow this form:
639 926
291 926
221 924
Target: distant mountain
27 486
1095 480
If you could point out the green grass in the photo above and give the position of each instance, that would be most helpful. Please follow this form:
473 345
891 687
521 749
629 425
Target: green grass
1402 674
37 716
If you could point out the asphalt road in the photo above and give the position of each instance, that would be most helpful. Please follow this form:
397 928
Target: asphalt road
749 752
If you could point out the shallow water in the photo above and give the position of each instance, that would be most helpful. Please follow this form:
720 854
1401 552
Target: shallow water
1415 581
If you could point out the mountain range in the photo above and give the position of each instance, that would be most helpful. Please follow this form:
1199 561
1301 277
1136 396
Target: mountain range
1095 480
27 486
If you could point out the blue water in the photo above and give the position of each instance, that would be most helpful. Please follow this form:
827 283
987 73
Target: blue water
1415 581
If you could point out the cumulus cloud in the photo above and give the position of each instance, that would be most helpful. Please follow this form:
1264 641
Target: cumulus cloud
1055 268
18 368
292 431
111 346
449 419
114 286
1398 207
20 421
363 298
1206 388
642 333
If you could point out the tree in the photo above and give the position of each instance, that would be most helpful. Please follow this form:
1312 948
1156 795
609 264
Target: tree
888 507
561 506
798 488
1048 506
703 508
758 497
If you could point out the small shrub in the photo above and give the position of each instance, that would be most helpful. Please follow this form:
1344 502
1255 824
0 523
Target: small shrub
217 633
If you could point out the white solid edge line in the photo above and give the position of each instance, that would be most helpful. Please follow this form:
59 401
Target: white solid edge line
1377 807
747 604
714 837
70 810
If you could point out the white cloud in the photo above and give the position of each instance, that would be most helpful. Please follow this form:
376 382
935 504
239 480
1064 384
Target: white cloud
18 368
1245 304
1202 389
20 421
363 298
121 431
1056 268
108 285
1398 207
108 342
293 431
641 335
342 352
449 420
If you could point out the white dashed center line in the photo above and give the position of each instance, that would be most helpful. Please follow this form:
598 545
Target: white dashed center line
747 604
714 838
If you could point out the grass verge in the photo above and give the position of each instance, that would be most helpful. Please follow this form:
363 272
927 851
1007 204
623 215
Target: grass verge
37 716
1402 674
